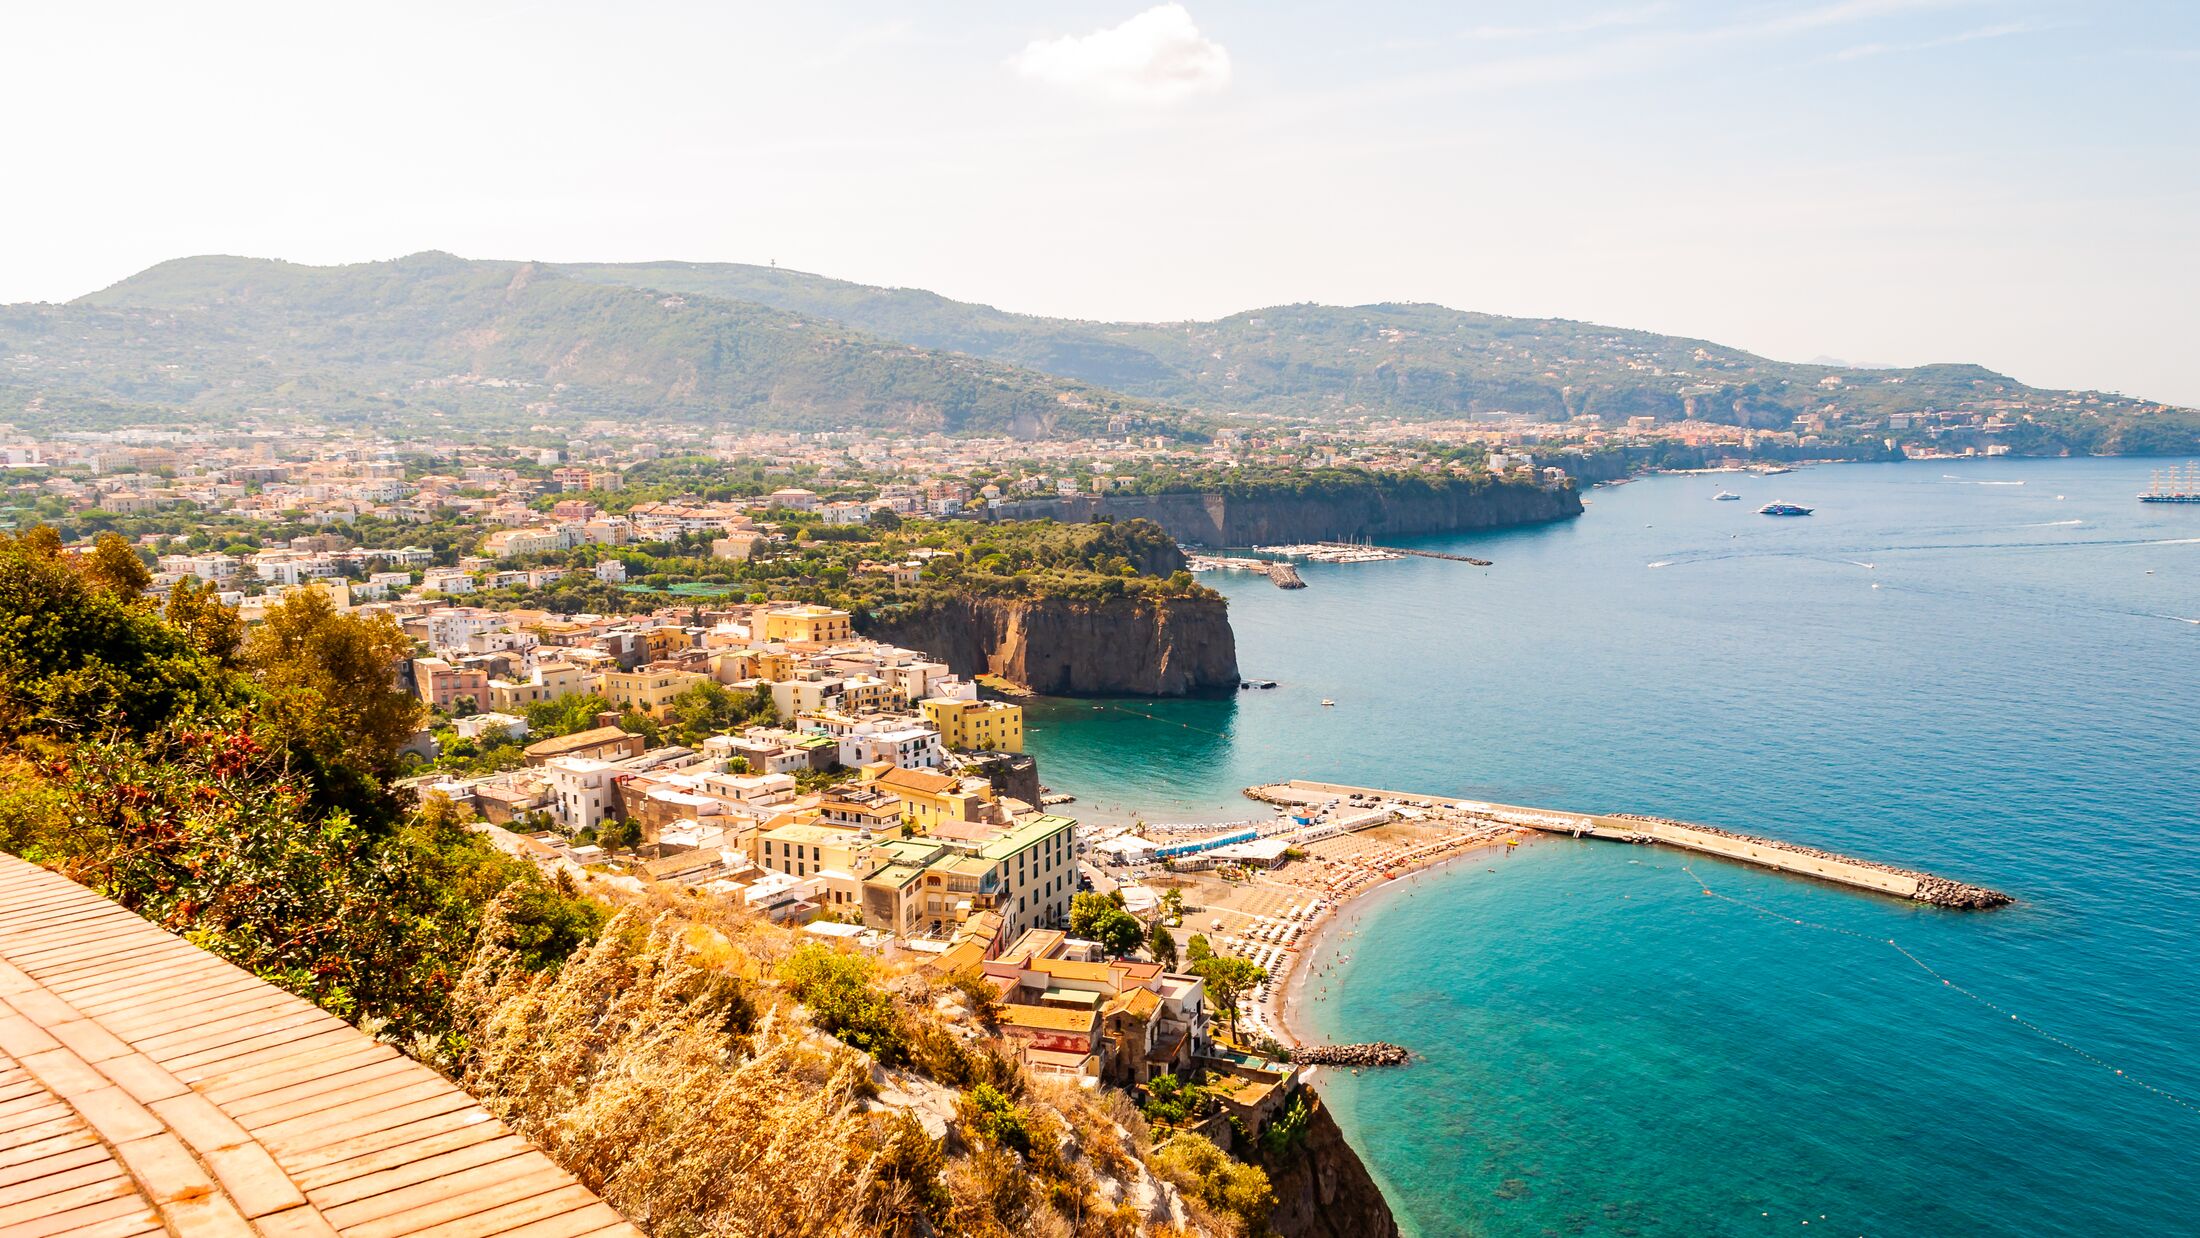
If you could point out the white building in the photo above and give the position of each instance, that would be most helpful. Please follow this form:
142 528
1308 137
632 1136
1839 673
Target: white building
907 747
450 628
583 791
492 725
205 567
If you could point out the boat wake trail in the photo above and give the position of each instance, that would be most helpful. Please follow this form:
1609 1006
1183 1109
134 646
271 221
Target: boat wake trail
2050 524
1663 563
2180 619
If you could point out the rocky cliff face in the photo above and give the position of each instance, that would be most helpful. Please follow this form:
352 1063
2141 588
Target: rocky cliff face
1362 513
1325 1192
1067 647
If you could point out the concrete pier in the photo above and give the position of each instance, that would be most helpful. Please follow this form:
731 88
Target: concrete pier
1767 853
1407 550
1283 575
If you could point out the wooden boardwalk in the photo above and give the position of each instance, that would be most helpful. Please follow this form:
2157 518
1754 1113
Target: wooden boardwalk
148 1087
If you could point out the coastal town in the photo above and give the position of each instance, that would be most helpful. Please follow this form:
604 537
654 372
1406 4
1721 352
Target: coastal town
696 727
284 467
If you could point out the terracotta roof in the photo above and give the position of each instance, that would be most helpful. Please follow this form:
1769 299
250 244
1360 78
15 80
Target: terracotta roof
579 739
1046 1018
969 953
921 780
1070 969
1034 944
1139 1002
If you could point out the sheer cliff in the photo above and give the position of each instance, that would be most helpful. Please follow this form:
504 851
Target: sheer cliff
1324 1191
1367 511
1123 646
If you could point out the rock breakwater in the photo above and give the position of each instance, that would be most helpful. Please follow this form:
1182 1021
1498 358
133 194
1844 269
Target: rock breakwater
1374 1053
1938 891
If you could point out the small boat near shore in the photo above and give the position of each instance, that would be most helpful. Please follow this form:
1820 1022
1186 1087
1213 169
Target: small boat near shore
1783 509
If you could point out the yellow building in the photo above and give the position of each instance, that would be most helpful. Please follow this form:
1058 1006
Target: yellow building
550 680
992 726
773 664
666 641
930 799
649 689
863 694
808 623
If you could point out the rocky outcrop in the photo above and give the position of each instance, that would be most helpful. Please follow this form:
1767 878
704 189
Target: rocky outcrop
1364 512
1324 1191
1123 646
1011 774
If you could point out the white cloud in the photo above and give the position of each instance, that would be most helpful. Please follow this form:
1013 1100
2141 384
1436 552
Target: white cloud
1158 56
2003 30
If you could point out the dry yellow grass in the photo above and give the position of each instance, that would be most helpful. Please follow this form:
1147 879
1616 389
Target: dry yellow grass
657 1082
665 1070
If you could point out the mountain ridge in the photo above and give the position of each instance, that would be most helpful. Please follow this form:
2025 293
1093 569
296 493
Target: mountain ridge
433 335
1411 360
433 338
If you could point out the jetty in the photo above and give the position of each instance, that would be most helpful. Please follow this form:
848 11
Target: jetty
1407 550
1283 575
1636 828
1374 1053
148 1087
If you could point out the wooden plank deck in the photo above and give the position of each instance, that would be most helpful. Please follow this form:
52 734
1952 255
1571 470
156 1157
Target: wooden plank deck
148 1087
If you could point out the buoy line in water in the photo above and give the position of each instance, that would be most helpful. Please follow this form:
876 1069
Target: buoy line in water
1164 721
1929 970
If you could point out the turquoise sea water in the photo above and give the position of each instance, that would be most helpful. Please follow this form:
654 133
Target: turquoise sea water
1609 1050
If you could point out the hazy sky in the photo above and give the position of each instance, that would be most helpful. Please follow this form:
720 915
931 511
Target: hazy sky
2013 182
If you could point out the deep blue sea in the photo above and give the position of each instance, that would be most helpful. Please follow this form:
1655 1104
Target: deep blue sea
1611 1051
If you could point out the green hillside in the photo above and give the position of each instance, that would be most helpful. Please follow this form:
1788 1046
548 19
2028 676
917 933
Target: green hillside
434 339
1426 361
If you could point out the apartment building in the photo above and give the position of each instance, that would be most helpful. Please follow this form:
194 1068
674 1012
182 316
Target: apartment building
815 624
649 689
443 686
976 726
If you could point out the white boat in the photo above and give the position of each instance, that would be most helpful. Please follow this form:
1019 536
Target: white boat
1726 496
1328 704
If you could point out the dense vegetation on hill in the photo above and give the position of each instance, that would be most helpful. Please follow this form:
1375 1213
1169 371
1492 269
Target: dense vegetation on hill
691 1062
1319 484
436 340
827 564
1424 361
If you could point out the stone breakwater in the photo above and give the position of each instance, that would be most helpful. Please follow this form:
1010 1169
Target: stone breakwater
1938 891
1709 840
1375 1053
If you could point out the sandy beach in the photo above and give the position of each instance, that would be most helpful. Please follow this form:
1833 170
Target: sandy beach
1282 917
1287 1003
